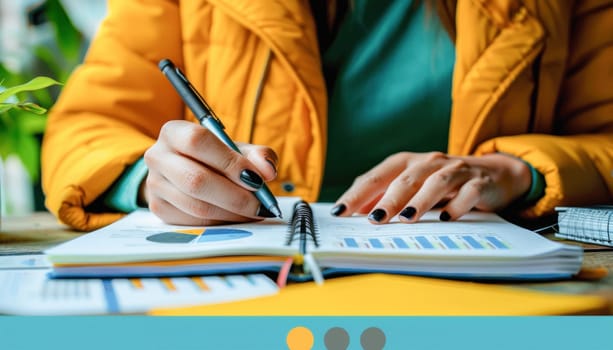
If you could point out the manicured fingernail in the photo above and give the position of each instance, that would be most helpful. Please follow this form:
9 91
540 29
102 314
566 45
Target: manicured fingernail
377 215
272 164
263 212
445 216
408 213
338 209
251 178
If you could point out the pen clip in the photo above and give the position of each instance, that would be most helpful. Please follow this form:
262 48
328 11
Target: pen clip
209 110
211 113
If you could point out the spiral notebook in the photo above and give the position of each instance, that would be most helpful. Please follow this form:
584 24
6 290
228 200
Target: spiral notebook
586 224
312 244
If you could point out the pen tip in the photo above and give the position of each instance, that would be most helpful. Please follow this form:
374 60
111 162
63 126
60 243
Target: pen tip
275 210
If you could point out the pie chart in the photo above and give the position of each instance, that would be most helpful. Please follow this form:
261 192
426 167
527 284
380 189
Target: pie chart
199 235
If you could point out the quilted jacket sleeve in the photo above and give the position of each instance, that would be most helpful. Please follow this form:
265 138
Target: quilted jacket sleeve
577 161
109 112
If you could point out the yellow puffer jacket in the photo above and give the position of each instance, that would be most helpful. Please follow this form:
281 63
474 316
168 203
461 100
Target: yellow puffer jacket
524 84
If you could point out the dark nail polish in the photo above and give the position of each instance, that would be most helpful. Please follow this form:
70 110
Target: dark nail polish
338 209
263 212
445 216
408 213
377 215
251 178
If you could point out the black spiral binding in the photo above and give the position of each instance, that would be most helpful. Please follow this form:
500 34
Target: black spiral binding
302 226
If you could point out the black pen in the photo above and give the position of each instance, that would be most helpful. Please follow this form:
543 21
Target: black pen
209 120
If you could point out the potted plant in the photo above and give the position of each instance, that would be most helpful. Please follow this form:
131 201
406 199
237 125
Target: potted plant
50 46
20 123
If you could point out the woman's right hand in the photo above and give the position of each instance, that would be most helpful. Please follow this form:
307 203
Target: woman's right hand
195 179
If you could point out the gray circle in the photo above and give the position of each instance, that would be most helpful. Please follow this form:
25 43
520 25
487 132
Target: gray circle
372 339
336 338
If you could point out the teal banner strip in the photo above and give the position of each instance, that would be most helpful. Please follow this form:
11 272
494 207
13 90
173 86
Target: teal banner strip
305 333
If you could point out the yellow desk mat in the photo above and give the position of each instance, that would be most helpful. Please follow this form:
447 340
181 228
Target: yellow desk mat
392 295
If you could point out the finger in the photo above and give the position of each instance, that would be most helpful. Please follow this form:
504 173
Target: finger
401 190
466 199
437 186
370 185
198 182
174 216
264 158
198 143
364 210
165 192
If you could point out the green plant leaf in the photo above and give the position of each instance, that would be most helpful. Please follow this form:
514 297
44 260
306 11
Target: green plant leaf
24 106
31 107
6 122
5 107
34 84
69 39
29 123
54 63
28 150
5 138
9 78
42 97
22 144
10 135
18 136
5 148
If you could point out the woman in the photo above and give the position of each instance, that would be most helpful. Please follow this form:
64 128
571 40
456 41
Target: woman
530 124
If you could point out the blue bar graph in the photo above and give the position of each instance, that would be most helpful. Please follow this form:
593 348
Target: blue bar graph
424 242
376 243
496 242
473 242
400 243
228 282
442 241
251 280
351 243
449 243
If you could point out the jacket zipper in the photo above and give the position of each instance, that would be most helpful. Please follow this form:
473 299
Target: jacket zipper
258 94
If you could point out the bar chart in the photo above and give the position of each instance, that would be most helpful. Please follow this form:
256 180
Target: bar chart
429 242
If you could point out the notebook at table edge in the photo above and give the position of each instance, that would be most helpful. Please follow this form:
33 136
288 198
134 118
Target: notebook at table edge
391 295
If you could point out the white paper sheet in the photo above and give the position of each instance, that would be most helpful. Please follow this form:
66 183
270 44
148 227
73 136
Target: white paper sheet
30 291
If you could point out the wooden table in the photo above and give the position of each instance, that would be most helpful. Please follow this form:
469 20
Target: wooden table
33 233
595 257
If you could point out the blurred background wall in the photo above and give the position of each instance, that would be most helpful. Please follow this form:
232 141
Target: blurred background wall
25 24
38 37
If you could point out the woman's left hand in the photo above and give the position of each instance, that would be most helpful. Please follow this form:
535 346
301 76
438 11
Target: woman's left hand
410 184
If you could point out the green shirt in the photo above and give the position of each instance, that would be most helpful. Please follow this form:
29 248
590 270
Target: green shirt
389 73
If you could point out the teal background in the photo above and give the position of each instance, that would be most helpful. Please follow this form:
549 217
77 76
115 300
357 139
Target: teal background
142 332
